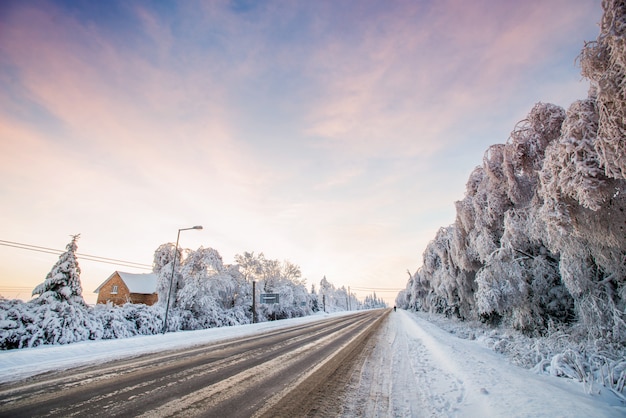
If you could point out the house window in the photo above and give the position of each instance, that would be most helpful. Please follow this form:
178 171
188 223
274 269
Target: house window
114 290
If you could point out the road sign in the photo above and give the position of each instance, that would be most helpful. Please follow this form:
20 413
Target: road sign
270 298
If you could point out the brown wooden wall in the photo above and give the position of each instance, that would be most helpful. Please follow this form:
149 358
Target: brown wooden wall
143 298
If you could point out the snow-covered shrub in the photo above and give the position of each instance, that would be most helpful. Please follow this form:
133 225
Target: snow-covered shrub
128 320
112 323
147 320
285 280
32 324
204 290
14 318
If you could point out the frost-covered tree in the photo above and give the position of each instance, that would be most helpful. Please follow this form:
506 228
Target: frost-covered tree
284 278
539 240
373 302
212 294
169 278
273 276
572 166
315 303
250 265
334 299
59 315
603 62
62 284
197 292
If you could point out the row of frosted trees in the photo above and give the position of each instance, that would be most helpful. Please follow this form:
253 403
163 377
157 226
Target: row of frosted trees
205 293
208 293
539 239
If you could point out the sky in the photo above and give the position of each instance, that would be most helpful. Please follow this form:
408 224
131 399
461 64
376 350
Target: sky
335 135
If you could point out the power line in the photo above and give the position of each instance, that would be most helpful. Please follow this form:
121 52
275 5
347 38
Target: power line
376 289
14 288
87 257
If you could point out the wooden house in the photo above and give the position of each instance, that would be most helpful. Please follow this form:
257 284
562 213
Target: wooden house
121 288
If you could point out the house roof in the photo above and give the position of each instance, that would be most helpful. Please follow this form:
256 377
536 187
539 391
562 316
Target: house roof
145 283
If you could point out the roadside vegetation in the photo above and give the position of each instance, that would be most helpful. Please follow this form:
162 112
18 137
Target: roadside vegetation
205 293
538 247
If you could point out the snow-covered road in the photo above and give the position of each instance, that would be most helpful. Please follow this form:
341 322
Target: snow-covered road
413 369
266 375
416 369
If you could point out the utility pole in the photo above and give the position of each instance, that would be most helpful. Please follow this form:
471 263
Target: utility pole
169 292
253 301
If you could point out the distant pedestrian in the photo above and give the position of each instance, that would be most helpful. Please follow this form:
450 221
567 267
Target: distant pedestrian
394 308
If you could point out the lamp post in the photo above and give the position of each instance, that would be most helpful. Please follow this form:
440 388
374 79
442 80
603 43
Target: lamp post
169 293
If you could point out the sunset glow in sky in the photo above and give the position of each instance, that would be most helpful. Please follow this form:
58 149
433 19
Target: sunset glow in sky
334 134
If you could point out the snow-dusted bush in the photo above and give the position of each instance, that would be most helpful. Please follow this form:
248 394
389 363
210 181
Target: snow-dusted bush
128 320
32 324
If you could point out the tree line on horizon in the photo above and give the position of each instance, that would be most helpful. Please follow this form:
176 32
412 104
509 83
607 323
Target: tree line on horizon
204 293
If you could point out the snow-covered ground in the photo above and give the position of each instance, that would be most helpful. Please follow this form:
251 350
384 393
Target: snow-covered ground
415 369
420 369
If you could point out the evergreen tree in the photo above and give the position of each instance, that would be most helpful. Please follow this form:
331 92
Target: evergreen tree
62 284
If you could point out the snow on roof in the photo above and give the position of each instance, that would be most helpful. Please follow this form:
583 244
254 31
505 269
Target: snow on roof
140 283
145 283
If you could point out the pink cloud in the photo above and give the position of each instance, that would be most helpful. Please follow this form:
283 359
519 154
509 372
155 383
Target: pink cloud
116 104
416 70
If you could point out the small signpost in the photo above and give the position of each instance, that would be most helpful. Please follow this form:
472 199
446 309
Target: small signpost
270 298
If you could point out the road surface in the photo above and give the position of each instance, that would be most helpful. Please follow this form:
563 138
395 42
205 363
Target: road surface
288 372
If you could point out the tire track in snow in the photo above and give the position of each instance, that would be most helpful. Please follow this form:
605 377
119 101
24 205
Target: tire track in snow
405 374
231 378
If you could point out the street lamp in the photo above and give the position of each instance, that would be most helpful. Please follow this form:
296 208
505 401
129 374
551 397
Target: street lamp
169 293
